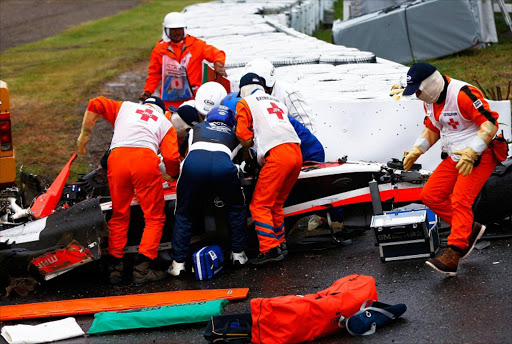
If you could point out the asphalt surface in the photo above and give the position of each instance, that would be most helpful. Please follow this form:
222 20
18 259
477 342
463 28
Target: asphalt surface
473 307
24 21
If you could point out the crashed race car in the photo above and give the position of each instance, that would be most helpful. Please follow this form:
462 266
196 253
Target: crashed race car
66 225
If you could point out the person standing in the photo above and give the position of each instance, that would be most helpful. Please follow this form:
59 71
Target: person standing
458 115
312 150
177 63
262 122
211 147
141 131
298 107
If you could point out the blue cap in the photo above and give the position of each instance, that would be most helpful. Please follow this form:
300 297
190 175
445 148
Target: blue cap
416 74
155 100
250 79
189 115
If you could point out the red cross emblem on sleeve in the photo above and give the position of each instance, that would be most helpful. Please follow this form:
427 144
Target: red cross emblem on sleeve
453 123
146 115
276 109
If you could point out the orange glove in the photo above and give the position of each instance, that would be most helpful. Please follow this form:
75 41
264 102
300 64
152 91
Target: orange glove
411 157
468 156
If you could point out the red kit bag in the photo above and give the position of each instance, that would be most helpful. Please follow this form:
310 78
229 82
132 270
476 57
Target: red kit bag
295 319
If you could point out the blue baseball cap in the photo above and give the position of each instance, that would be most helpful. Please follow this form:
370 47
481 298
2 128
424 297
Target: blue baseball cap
250 79
189 115
157 101
416 74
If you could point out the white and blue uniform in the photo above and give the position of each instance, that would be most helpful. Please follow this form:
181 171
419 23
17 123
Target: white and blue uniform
208 166
310 147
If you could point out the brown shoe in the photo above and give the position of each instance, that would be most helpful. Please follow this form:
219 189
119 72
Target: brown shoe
476 233
115 271
447 263
143 273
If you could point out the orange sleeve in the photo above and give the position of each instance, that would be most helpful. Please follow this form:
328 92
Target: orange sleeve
472 105
428 123
107 108
155 68
212 54
170 154
244 121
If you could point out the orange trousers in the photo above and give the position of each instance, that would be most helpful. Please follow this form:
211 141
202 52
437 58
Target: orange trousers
277 177
451 195
135 169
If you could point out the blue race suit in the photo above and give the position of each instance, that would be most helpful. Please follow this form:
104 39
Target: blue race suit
310 147
209 166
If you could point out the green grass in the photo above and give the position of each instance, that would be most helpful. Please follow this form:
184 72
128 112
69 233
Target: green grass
49 79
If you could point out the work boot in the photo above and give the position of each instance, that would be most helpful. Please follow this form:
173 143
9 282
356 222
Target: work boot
447 263
273 255
239 259
176 269
115 271
284 248
476 233
144 270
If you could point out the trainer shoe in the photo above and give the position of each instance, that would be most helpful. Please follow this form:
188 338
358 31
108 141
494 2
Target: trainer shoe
115 271
239 259
273 255
476 233
176 269
447 263
144 271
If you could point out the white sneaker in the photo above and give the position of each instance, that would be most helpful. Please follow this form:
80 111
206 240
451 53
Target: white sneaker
239 258
176 269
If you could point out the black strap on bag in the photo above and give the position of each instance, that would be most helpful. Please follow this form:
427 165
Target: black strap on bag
229 328
104 159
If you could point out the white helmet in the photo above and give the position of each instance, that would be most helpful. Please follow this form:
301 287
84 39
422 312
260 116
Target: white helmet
208 96
264 68
174 20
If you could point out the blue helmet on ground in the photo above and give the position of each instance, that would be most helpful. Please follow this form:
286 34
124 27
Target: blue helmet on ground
230 101
223 114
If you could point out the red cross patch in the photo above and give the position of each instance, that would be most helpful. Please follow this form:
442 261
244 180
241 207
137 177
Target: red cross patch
453 123
146 115
276 109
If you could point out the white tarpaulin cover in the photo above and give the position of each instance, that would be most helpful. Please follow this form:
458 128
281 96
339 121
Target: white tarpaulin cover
347 88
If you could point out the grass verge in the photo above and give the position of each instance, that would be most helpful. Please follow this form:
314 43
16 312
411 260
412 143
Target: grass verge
49 79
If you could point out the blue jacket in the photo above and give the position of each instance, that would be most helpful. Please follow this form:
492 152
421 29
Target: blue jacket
311 148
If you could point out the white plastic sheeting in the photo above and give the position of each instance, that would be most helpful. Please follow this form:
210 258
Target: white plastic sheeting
355 115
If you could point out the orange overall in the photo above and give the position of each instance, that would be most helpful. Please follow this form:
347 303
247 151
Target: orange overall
136 169
450 194
190 52
277 177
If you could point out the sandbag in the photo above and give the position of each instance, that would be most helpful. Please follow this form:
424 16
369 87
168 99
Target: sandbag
184 313
295 319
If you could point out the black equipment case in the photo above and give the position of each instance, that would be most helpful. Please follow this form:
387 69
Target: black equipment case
406 234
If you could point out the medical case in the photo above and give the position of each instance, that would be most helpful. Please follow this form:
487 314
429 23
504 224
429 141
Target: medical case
406 234
208 262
